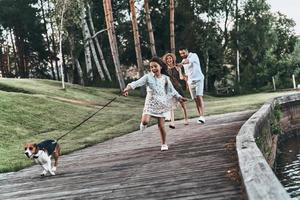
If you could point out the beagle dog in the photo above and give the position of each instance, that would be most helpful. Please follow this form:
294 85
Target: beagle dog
41 153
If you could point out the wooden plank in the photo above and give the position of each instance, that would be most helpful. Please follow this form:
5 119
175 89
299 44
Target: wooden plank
133 167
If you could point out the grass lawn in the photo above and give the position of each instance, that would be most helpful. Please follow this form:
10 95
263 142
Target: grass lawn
34 110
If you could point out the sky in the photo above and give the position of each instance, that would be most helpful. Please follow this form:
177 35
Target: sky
291 8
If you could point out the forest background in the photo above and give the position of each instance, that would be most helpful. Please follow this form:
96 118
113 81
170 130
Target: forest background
241 45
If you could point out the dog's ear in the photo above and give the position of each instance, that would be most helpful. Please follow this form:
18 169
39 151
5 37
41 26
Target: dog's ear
35 145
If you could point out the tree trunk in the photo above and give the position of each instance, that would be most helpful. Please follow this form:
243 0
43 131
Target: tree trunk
98 45
14 52
4 62
228 10
136 36
20 51
1 60
79 71
207 45
54 55
172 32
137 44
47 39
2 54
150 29
94 53
92 46
60 31
73 59
206 70
113 41
237 44
225 35
65 70
86 37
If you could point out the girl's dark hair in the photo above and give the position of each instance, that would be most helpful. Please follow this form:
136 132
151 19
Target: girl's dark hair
164 67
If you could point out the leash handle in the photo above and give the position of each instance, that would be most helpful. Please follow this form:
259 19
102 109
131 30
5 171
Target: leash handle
87 118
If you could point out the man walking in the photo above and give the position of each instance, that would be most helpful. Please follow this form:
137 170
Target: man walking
195 79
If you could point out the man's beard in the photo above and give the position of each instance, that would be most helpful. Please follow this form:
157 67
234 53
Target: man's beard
185 56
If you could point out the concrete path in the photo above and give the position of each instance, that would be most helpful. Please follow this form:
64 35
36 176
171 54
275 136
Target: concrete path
201 164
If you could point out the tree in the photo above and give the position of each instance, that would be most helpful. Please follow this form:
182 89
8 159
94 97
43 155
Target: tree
172 32
27 30
149 28
279 61
136 37
92 46
49 59
61 59
255 39
94 37
53 39
113 41
286 39
266 40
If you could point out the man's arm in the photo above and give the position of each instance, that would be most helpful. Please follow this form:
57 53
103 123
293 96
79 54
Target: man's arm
194 59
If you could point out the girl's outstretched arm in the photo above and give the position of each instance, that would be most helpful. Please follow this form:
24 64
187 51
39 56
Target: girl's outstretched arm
125 91
131 86
138 83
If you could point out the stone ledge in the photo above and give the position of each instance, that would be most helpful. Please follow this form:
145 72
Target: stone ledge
258 178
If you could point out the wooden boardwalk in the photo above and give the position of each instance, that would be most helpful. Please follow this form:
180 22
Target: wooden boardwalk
201 164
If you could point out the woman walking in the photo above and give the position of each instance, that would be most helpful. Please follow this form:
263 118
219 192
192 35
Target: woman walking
159 92
175 77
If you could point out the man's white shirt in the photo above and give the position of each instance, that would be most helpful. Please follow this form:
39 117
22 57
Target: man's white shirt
193 69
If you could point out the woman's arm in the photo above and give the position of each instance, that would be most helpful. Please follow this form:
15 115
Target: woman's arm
181 75
173 92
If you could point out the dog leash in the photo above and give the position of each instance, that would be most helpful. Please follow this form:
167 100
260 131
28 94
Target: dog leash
87 118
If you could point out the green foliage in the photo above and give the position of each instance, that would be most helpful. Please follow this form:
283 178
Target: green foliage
267 43
267 132
22 17
275 120
286 40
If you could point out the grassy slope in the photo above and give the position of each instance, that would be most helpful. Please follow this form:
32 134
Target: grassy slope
31 111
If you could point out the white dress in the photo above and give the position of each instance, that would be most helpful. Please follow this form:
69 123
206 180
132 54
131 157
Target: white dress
160 94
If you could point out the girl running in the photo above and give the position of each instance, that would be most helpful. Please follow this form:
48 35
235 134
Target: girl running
158 102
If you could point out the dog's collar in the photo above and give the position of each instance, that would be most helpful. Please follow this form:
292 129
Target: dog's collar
35 156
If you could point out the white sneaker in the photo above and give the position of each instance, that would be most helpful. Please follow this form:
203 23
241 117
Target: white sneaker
142 127
164 147
44 173
201 120
52 173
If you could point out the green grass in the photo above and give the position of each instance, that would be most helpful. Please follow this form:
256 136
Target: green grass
34 110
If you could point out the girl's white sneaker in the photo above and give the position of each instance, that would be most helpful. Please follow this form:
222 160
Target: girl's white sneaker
142 127
164 147
201 120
